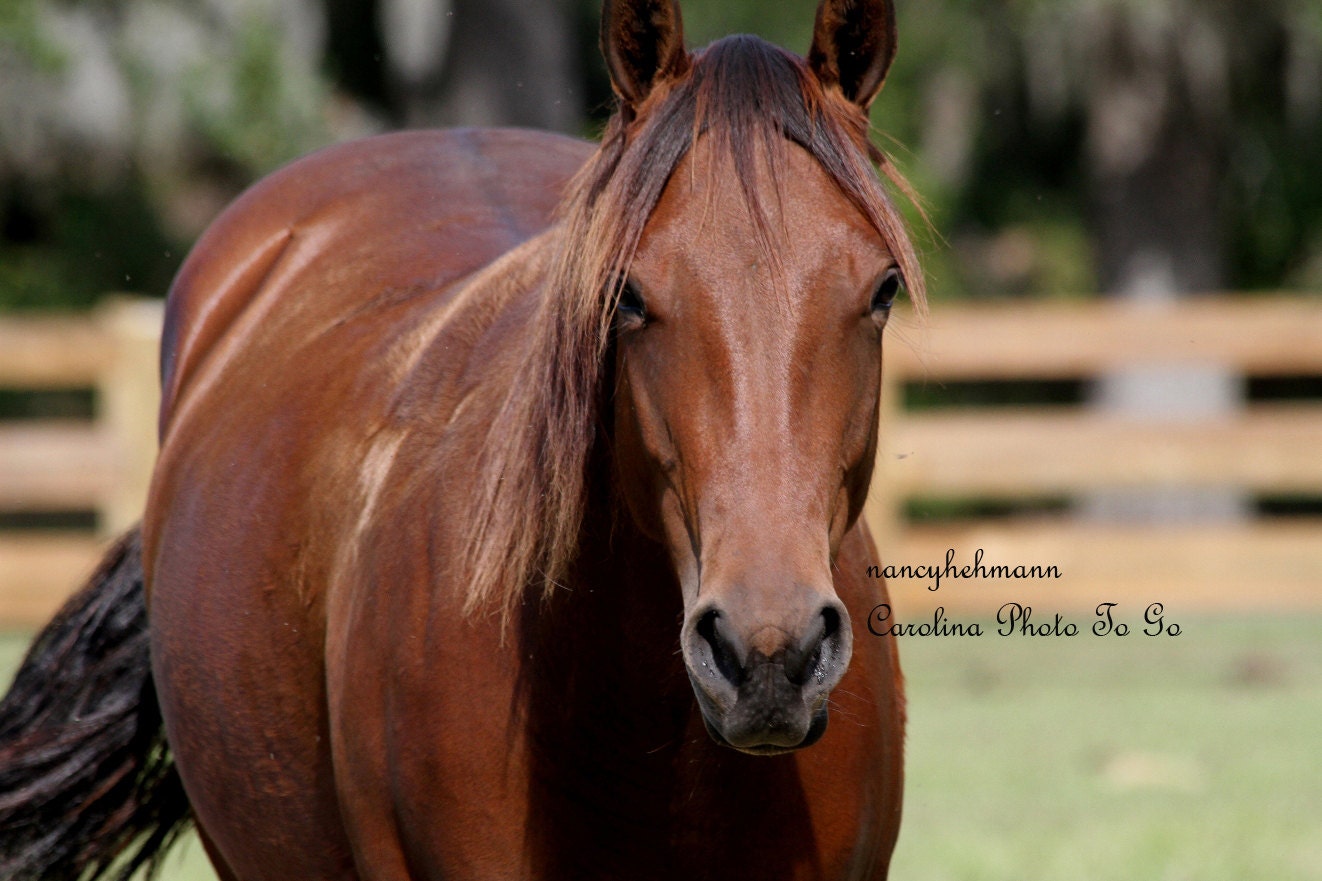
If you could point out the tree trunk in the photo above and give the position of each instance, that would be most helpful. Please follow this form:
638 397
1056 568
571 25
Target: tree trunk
1157 149
505 62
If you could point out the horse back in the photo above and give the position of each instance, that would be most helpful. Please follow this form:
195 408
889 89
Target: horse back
419 211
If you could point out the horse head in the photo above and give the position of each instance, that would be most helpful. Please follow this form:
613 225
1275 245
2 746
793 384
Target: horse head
747 326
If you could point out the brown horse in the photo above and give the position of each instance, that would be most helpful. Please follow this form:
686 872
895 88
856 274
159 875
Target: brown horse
506 520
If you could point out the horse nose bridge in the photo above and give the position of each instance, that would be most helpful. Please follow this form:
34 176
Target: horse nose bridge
768 438
754 405
757 533
767 577
767 499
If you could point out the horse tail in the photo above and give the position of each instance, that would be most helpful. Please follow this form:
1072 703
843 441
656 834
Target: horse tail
87 782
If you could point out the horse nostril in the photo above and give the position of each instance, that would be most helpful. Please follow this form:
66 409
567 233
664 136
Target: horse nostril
724 652
817 649
830 622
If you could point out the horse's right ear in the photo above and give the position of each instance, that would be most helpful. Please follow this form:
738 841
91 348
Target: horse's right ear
643 43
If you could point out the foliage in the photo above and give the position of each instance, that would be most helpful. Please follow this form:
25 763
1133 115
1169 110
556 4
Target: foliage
126 126
21 37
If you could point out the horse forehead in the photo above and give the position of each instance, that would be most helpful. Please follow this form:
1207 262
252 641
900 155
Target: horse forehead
706 209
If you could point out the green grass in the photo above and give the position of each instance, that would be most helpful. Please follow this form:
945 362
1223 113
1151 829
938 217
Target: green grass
1090 759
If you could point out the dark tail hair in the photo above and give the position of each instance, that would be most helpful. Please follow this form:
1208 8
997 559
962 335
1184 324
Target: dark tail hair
87 783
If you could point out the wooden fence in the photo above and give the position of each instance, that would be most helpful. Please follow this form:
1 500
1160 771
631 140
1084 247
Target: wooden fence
1255 563
102 465
1008 453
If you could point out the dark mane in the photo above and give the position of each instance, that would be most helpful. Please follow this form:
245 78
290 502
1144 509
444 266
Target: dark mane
751 99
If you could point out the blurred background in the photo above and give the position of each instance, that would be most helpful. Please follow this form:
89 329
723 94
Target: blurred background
1063 147
1121 377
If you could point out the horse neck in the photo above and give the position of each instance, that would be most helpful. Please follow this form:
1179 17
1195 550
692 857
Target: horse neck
610 637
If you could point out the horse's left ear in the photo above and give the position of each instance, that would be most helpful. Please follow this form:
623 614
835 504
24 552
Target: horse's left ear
853 44
643 43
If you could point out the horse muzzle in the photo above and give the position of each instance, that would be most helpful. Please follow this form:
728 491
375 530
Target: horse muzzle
763 688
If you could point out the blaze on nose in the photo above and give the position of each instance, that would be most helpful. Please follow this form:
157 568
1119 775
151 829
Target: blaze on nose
762 687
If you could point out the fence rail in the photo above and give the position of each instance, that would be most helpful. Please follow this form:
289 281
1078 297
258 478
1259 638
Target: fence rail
1020 453
102 465
953 452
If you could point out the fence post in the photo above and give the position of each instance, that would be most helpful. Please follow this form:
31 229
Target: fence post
128 393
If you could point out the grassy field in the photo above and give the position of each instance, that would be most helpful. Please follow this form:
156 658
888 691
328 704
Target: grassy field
1091 758
1087 758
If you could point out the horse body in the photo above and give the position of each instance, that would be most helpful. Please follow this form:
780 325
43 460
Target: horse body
426 742
506 519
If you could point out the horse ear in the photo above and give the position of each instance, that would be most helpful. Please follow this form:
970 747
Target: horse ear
643 42
853 44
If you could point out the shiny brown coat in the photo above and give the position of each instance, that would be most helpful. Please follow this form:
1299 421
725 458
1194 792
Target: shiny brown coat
376 652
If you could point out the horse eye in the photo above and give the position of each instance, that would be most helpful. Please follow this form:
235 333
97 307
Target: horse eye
630 306
884 296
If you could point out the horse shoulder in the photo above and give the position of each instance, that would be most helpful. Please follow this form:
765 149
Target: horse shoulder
419 211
